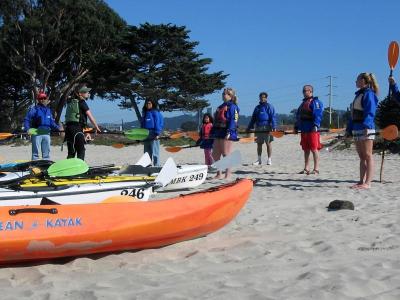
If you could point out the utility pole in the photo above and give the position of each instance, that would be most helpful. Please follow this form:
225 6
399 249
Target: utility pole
331 86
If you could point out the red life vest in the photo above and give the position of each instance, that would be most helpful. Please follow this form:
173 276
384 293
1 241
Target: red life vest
220 120
306 113
205 131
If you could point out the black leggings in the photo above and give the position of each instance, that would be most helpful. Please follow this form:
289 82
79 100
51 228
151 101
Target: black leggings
75 141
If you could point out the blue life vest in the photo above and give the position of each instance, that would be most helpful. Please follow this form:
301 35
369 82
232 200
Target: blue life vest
262 118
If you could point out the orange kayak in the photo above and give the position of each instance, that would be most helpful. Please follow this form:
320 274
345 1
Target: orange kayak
50 231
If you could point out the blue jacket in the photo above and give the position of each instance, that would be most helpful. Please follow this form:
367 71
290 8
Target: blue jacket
316 110
369 103
40 116
153 121
226 121
395 92
263 115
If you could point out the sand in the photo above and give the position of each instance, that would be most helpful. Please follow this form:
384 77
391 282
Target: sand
284 244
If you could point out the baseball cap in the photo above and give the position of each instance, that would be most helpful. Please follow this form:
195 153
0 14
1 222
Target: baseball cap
84 89
41 95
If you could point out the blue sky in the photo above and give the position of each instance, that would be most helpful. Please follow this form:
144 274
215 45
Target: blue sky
277 46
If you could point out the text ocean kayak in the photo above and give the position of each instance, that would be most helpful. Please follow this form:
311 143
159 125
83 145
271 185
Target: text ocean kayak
49 231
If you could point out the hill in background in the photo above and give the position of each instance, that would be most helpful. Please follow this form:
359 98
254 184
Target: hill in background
173 123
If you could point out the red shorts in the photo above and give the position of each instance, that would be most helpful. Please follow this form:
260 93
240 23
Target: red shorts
310 141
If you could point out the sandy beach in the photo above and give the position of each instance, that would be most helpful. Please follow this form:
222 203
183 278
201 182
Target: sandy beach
284 244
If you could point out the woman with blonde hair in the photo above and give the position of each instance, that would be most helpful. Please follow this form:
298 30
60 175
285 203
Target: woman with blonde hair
361 126
224 130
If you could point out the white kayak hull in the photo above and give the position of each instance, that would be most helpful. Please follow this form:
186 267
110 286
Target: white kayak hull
189 176
76 194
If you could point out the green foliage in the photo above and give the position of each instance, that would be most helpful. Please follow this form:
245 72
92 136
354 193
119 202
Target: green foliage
53 45
56 45
388 113
167 69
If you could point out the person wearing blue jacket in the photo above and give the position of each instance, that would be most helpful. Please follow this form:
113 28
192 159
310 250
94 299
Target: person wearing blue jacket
224 130
264 119
308 121
362 127
394 89
40 117
153 121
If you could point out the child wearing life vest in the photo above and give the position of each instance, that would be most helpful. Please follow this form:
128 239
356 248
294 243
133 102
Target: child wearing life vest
224 130
205 141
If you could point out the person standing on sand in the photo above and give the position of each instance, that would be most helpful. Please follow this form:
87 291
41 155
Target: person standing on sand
361 126
264 119
205 141
76 117
224 130
153 121
394 89
308 121
41 117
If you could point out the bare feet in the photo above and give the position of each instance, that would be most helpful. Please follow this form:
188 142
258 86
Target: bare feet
360 186
363 186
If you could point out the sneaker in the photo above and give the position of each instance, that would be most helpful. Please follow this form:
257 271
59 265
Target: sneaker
257 163
269 161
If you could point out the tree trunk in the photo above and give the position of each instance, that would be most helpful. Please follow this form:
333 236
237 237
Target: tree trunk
136 109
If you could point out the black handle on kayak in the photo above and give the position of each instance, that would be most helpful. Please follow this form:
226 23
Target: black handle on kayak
14 212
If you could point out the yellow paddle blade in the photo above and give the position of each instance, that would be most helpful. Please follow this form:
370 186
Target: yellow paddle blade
118 145
173 149
390 133
120 199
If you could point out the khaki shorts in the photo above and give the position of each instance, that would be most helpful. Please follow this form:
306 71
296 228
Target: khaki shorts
263 137
359 135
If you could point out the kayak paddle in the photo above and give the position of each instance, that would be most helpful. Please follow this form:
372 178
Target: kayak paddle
175 135
393 56
31 131
67 167
280 133
389 133
62 168
174 149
